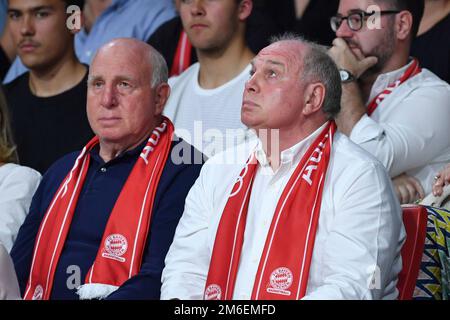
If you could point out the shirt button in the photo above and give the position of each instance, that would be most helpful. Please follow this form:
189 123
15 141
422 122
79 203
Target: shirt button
103 169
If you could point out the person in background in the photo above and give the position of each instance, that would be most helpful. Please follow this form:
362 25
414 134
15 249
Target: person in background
432 45
391 106
17 184
109 19
47 103
205 100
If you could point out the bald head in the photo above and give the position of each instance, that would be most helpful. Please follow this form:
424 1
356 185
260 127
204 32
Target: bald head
147 59
127 92
314 65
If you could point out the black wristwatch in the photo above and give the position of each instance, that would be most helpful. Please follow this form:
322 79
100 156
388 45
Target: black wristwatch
346 76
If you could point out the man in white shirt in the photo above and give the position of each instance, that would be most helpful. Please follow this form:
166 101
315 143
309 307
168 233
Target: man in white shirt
310 215
205 100
390 106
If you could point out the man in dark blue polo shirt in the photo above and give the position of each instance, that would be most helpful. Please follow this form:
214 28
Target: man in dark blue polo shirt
105 218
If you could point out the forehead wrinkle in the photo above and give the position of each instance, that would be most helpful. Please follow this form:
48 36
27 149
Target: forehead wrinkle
287 54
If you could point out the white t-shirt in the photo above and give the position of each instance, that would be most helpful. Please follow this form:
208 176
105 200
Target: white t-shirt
209 119
358 239
409 132
17 187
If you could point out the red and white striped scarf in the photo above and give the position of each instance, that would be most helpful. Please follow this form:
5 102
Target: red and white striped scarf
120 254
182 58
284 266
412 70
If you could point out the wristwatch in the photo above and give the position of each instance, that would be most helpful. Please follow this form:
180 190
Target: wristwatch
346 76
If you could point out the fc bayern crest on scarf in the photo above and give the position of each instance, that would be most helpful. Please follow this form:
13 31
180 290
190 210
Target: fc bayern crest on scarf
280 281
213 292
115 247
38 293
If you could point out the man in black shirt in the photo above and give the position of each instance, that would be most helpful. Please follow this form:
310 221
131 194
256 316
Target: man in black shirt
47 103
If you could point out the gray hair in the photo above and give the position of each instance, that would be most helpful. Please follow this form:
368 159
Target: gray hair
160 72
319 67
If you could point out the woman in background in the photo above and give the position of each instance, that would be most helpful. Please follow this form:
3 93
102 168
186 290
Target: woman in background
17 184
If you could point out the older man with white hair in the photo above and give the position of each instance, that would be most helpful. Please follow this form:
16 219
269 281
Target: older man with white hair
104 218
307 216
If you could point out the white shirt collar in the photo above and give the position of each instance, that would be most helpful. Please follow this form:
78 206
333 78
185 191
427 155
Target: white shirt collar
385 79
289 157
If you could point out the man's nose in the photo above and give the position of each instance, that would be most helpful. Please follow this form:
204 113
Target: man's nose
344 30
251 85
27 27
197 8
109 97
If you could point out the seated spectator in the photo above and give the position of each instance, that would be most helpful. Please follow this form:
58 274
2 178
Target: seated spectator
17 184
172 41
9 288
48 103
268 18
441 180
205 100
325 204
432 45
111 19
391 106
128 190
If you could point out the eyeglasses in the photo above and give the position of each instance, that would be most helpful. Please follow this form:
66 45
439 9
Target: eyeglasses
356 20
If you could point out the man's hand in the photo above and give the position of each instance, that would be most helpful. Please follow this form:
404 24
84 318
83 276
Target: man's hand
344 58
408 189
441 180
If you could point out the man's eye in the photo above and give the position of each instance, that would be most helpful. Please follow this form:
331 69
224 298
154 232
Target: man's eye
272 74
251 73
13 15
97 84
42 14
124 84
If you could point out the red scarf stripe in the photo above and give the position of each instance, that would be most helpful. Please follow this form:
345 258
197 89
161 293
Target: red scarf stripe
141 215
183 51
279 213
182 58
410 72
240 224
278 216
51 269
272 234
302 288
63 190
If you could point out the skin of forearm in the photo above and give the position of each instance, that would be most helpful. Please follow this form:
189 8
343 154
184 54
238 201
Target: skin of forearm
352 108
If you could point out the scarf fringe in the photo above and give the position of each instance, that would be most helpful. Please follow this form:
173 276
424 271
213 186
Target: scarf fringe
95 291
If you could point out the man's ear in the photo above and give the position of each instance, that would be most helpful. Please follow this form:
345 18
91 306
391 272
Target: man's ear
403 25
314 97
162 93
245 9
